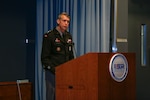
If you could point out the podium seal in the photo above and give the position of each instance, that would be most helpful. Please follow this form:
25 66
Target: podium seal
118 67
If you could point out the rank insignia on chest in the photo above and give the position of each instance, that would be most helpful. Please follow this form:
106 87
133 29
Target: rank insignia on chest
57 40
69 41
58 49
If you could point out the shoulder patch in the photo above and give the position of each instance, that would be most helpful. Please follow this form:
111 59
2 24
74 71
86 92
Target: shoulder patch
45 35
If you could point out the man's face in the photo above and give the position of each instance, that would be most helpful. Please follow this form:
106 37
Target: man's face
63 23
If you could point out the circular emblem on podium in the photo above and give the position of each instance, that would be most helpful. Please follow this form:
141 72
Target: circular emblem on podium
118 67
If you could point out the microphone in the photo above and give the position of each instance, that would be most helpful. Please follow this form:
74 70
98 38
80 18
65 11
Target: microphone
74 51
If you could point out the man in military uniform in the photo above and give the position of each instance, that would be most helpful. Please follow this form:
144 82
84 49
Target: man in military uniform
57 48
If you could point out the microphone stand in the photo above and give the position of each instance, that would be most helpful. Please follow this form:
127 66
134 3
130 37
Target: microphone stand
74 51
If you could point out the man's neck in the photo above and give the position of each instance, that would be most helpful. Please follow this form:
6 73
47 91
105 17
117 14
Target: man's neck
58 29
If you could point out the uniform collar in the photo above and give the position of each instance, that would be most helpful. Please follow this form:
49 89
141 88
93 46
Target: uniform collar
59 36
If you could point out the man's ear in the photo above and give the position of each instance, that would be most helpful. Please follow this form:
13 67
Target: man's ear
58 21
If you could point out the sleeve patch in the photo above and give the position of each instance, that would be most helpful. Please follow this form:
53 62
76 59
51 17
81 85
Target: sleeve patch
45 35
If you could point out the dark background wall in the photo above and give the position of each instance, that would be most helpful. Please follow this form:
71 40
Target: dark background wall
17 22
139 13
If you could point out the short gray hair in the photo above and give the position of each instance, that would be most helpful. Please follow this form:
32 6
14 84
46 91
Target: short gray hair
63 13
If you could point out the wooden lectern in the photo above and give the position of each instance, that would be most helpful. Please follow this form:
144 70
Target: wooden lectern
88 78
